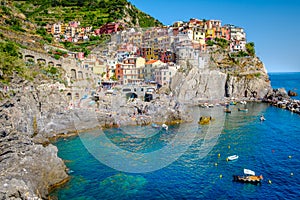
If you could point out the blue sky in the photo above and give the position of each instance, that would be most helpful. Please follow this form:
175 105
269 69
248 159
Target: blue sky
273 25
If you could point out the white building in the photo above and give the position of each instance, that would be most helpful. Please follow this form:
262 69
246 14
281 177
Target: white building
163 75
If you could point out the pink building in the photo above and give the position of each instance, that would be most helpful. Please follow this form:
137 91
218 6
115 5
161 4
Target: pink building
226 32
97 31
112 27
80 55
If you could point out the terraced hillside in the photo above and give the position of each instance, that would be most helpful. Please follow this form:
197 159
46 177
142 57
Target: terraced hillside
95 13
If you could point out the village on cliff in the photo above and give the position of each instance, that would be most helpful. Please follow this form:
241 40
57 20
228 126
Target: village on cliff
137 55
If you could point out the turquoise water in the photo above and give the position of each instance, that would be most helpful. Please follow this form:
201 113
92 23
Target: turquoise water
270 148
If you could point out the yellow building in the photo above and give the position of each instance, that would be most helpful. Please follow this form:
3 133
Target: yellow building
210 33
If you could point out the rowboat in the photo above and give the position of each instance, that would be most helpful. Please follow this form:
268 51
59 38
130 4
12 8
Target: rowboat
233 157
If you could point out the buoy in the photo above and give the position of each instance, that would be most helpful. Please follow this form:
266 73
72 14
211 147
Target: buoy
290 156
219 155
292 174
221 175
270 182
228 146
216 164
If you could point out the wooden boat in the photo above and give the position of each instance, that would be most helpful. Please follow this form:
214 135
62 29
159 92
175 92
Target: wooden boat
233 157
248 177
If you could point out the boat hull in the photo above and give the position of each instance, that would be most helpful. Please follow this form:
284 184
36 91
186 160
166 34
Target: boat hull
248 179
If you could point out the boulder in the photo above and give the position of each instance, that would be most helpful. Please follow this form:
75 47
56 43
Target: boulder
292 93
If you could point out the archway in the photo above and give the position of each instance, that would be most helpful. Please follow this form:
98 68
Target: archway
80 75
50 64
29 58
69 96
73 74
41 61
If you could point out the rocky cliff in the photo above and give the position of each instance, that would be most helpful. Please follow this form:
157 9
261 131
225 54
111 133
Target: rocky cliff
224 75
33 112
29 165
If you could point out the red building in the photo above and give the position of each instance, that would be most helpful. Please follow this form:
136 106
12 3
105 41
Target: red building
167 56
119 72
111 27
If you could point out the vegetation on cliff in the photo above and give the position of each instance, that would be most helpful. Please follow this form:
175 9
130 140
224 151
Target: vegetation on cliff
23 21
89 13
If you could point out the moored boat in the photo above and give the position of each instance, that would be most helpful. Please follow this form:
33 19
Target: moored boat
243 109
243 102
262 118
227 110
233 157
155 125
248 177
165 126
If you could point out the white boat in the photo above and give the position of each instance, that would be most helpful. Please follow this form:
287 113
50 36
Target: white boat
165 126
243 102
249 172
262 118
233 157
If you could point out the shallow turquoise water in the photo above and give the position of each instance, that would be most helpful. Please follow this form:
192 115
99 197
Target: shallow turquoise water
270 148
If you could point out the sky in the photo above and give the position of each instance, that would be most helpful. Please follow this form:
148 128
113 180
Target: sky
273 25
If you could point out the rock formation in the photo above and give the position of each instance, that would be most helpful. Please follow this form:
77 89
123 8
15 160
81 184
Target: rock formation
292 93
223 76
28 166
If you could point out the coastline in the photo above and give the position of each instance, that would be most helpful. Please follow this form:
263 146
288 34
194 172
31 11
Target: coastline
43 125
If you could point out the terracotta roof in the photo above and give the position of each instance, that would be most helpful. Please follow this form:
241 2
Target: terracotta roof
151 62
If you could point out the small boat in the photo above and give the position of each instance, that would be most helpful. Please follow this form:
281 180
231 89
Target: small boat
165 126
226 110
233 157
232 102
153 125
243 102
248 177
204 120
243 109
262 118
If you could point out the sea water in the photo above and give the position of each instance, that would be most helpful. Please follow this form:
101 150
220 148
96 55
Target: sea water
270 148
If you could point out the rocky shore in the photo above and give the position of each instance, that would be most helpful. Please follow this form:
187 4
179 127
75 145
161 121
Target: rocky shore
281 99
37 112
31 114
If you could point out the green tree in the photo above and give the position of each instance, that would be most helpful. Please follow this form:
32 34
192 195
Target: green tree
250 48
10 60
209 43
